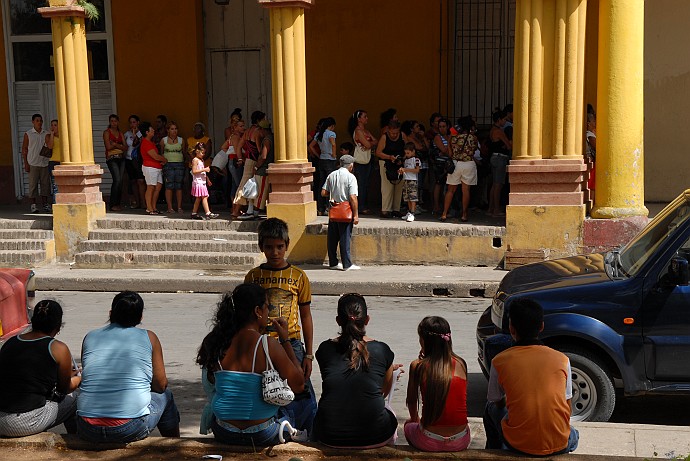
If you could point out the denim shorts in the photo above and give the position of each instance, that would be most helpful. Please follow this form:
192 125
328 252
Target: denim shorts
163 414
173 175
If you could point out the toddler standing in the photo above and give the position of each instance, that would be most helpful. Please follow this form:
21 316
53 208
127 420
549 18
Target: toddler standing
410 171
199 190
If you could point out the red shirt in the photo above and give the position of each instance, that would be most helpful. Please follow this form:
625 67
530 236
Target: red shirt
147 160
455 408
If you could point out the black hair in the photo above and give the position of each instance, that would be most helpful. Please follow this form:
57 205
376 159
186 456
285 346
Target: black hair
394 125
353 121
526 315
233 312
410 146
508 108
127 309
434 116
115 116
257 116
135 117
324 123
163 119
54 120
446 121
406 126
352 318
237 112
497 115
348 146
35 116
466 123
273 228
144 127
47 316
590 108
387 116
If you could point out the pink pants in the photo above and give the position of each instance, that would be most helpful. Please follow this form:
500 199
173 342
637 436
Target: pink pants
421 440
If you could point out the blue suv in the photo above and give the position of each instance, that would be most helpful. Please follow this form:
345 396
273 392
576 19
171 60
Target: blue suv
622 317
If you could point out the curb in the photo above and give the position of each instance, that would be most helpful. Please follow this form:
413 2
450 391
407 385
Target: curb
199 446
459 289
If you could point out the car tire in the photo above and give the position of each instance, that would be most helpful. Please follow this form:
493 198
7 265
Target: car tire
594 396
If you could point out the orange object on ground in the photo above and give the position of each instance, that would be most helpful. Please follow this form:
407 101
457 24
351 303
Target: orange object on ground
14 315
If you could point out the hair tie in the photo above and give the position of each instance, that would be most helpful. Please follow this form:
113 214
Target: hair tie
353 318
444 336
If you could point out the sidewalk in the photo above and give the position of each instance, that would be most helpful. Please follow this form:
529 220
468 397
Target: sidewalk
598 441
450 281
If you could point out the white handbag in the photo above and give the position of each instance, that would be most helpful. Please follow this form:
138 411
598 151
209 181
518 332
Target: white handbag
274 389
362 155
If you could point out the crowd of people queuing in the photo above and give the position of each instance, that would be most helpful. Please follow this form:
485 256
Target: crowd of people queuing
256 365
419 169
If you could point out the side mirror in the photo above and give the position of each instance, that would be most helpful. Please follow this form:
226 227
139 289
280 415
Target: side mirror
679 271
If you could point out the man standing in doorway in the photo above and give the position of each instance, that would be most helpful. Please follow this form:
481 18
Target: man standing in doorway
35 164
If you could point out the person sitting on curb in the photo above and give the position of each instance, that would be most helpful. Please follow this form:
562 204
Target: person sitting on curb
124 390
530 388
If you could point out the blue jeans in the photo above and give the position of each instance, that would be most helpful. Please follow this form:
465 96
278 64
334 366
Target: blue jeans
493 415
302 410
163 414
339 233
362 173
117 171
53 186
263 434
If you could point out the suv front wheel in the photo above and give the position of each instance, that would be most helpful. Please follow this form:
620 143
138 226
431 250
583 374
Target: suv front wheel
594 396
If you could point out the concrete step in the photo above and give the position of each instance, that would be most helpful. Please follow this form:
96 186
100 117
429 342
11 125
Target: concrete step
34 234
166 259
166 244
145 234
22 258
22 244
46 224
164 223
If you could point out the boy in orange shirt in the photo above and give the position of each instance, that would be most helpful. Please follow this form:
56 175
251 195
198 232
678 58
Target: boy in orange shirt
530 388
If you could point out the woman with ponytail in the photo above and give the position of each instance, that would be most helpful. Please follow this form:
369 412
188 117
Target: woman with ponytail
440 376
357 374
233 360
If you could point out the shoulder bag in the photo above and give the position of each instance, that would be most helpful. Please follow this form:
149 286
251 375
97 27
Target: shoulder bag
274 389
46 152
362 155
340 212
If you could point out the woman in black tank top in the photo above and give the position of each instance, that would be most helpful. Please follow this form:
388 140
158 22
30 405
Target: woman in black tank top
39 375
391 148
500 147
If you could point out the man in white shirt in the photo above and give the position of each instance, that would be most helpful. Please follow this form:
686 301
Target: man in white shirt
35 164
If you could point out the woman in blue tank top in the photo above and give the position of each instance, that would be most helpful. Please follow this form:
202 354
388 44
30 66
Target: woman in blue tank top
233 359
124 390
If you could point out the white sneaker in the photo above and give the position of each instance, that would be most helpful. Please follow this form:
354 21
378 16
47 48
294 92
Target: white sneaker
34 208
337 267
410 218
404 218
353 268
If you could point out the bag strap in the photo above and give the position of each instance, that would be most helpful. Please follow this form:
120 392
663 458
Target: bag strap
269 364
255 349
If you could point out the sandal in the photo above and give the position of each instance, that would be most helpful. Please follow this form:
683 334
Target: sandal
197 216
180 210
443 218
170 211
153 212
210 215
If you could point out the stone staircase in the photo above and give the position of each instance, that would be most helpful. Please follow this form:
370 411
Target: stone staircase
146 242
26 243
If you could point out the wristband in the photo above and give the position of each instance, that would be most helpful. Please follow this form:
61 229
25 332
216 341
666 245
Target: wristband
283 341
309 356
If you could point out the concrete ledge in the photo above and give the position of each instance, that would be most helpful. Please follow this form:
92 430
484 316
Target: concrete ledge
197 447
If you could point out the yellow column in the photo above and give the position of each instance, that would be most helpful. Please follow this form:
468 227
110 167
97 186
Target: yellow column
79 202
620 110
290 176
521 106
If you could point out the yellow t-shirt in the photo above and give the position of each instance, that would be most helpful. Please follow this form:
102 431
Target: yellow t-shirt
191 142
57 154
287 289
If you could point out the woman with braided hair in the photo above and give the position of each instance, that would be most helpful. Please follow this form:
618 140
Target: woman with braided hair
358 375
440 376
39 376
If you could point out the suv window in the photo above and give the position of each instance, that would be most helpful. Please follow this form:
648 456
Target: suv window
636 253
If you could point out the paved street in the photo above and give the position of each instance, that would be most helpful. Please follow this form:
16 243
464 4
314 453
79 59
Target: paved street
181 321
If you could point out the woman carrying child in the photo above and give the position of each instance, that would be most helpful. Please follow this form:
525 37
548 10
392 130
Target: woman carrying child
440 377
232 360
199 180
358 376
